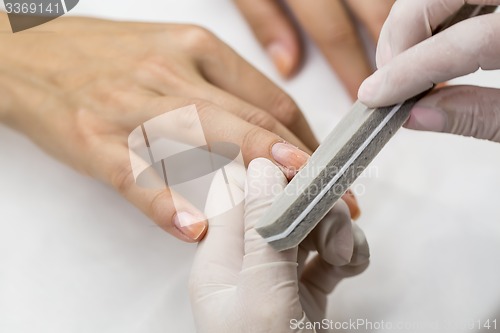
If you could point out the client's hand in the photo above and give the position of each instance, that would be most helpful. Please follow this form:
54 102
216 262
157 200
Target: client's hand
278 26
240 284
78 87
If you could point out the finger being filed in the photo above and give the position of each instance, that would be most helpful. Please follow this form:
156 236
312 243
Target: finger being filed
297 132
221 126
275 31
234 75
459 50
463 110
411 22
329 25
254 141
372 14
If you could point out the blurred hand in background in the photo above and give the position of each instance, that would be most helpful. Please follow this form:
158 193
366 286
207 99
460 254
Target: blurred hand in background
330 24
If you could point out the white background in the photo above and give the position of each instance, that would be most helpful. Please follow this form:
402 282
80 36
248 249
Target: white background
75 257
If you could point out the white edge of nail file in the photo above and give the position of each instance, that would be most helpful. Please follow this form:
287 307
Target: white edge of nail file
349 163
336 164
345 153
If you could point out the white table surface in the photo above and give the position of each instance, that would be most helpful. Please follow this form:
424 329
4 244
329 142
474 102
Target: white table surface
75 257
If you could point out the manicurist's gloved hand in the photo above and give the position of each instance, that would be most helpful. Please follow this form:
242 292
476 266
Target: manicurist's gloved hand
410 61
330 23
240 284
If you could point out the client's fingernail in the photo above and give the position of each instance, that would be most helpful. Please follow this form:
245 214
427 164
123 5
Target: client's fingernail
352 203
281 57
427 119
369 89
191 226
290 157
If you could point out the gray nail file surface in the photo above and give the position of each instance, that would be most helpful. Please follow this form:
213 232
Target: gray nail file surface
336 164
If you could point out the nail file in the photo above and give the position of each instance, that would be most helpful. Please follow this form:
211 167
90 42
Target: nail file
339 160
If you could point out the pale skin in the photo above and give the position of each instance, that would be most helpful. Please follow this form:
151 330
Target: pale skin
329 23
77 87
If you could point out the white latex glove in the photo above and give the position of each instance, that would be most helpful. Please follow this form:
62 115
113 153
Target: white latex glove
410 61
240 284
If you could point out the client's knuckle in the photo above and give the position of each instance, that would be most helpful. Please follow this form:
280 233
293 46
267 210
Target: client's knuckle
285 109
122 178
338 36
195 38
261 119
249 140
156 209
